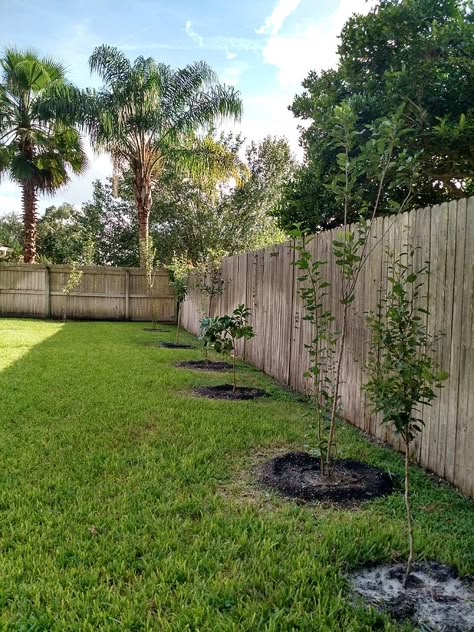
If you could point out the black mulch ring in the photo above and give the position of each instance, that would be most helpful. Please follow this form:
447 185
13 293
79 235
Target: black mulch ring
224 391
205 365
173 345
435 598
297 475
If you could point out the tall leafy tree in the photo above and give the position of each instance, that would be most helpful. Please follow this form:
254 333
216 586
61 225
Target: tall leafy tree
37 148
148 116
415 53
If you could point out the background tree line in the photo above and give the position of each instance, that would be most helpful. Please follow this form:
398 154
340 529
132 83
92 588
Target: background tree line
193 191
203 220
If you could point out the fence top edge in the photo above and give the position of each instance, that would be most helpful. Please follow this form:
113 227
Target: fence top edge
435 208
67 267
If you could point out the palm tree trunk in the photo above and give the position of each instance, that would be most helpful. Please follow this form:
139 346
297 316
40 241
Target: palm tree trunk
143 201
29 222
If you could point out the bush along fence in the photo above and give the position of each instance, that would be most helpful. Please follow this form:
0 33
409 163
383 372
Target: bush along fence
39 291
267 282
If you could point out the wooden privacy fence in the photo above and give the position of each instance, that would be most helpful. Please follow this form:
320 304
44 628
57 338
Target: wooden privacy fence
103 293
267 282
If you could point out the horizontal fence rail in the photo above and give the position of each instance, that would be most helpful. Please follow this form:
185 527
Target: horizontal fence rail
103 293
267 282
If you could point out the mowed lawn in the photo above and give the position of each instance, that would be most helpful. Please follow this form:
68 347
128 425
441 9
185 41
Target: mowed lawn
127 503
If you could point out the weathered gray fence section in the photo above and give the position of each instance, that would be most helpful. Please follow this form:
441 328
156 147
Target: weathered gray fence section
267 282
103 293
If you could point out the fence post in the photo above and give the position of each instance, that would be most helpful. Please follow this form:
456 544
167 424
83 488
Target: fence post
127 294
47 292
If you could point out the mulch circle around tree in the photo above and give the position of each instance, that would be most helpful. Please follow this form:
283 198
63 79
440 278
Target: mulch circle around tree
225 391
157 330
435 598
205 365
297 475
173 345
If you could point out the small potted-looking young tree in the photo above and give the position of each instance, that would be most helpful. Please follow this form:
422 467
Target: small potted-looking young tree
221 334
402 374
178 269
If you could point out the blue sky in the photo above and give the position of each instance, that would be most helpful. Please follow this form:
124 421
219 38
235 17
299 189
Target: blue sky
263 47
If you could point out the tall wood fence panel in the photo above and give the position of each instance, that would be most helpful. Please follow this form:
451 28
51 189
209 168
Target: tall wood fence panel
268 283
103 293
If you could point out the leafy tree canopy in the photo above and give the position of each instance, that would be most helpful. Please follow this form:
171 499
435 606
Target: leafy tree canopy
418 53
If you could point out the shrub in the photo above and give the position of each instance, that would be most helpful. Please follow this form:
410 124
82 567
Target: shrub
222 333
402 375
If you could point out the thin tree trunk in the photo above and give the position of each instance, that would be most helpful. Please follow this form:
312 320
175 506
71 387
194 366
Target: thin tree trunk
337 384
178 321
233 366
143 201
29 222
408 511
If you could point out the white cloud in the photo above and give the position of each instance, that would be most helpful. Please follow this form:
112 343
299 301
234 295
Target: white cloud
275 21
232 73
230 55
310 47
222 42
192 34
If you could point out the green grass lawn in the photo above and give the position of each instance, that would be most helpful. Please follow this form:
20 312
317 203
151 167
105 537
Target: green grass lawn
126 503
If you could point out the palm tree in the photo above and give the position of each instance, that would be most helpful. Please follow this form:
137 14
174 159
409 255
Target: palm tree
36 147
150 116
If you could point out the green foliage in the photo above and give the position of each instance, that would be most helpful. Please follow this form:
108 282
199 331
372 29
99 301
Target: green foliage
313 289
349 249
11 235
412 52
61 237
111 222
222 333
179 270
38 148
148 115
75 276
402 374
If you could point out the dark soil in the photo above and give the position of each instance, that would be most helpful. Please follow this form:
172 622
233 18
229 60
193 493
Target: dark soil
297 475
205 365
173 345
157 330
224 391
435 599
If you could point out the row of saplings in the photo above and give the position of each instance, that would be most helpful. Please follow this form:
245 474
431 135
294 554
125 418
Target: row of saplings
401 377
401 374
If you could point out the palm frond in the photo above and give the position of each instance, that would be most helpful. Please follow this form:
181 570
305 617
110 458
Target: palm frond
110 64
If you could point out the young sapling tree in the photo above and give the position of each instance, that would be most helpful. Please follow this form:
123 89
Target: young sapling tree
388 167
313 289
75 276
402 375
210 285
206 323
179 270
223 332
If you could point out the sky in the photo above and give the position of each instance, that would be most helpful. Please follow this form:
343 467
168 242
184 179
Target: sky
265 48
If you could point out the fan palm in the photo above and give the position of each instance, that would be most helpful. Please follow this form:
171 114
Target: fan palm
149 116
37 149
